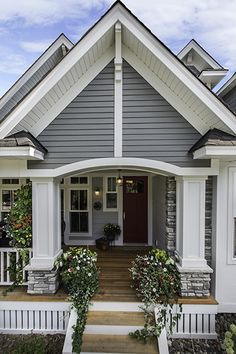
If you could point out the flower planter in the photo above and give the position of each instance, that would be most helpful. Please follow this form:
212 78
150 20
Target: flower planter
102 244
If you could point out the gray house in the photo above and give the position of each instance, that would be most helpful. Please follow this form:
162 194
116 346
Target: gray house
116 128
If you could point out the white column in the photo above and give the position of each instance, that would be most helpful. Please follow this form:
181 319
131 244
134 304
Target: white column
190 221
118 93
46 218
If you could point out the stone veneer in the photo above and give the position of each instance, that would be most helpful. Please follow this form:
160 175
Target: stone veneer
170 214
42 281
194 282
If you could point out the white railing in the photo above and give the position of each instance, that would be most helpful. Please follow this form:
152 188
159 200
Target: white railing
22 317
195 321
9 256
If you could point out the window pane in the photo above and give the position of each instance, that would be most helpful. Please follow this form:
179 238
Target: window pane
78 222
111 184
74 180
74 200
83 196
10 181
132 186
111 201
6 200
83 180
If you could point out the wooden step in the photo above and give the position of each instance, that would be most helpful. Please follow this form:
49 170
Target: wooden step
93 343
115 298
117 318
116 290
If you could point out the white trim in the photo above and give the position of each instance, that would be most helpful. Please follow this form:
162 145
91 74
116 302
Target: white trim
105 191
227 86
215 152
118 92
22 152
226 307
231 232
119 13
195 46
36 65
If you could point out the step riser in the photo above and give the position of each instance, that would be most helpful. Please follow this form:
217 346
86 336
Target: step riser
112 330
116 306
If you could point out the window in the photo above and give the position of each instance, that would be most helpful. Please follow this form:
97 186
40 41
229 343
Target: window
79 180
111 194
79 211
7 200
10 181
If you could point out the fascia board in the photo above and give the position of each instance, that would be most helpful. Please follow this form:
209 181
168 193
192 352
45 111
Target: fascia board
57 73
202 92
21 152
193 45
213 152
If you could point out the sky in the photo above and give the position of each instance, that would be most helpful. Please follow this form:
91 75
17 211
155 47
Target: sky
27 27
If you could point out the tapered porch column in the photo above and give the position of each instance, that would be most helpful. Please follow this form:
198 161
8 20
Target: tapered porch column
46 235
190 235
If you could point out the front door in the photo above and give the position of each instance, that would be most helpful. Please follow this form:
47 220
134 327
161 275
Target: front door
135 209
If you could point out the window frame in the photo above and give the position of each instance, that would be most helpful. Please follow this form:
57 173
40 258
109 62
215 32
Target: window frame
106 191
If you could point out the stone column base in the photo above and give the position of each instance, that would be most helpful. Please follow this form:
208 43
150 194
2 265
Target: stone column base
195 282
42 281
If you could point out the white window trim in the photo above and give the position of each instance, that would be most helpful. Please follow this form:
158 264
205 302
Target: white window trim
67 186
9 187
105 191
231 257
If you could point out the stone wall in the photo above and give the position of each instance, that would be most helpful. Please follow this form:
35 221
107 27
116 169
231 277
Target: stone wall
208 220
170 214
195 282
42 281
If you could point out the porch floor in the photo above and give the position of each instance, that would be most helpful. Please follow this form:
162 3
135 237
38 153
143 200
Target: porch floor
114 281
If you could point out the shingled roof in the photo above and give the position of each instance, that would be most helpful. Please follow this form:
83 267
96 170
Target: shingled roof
22 138
214 137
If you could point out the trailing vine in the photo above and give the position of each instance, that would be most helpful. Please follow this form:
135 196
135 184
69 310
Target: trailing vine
19 229
79 277
156 280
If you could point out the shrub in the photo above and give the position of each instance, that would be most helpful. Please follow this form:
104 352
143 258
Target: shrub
156 280
229 344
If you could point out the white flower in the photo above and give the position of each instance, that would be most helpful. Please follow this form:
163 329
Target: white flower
165 270
89 274
154 290
78 268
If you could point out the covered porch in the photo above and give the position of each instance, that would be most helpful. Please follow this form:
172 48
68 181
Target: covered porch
154 203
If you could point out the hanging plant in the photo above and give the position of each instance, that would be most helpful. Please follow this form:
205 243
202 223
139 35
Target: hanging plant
157 283
19 229
79 277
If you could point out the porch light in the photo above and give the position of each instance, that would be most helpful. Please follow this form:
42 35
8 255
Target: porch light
97 191
119 179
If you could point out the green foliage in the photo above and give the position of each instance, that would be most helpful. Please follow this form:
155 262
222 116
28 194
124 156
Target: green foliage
19 219
19 230
157 283
31 344
111 230
79 276
229 344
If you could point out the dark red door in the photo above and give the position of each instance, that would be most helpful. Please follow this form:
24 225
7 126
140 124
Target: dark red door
135 209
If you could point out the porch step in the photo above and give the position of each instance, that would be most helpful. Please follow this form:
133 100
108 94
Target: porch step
102 343
118 318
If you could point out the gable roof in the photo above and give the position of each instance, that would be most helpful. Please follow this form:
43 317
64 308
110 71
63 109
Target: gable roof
228 86
141 49
34 74
194 45
22 139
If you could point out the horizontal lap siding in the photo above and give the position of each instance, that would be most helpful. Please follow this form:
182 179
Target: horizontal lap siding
85 128
152 128
32 82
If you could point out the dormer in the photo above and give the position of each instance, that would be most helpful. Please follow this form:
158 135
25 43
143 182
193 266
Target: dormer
207 69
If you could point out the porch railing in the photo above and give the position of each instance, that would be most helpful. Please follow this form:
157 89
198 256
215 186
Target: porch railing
9 257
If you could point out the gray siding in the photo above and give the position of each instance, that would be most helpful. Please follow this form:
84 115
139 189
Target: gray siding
32 82
230 99
152 128
85 128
